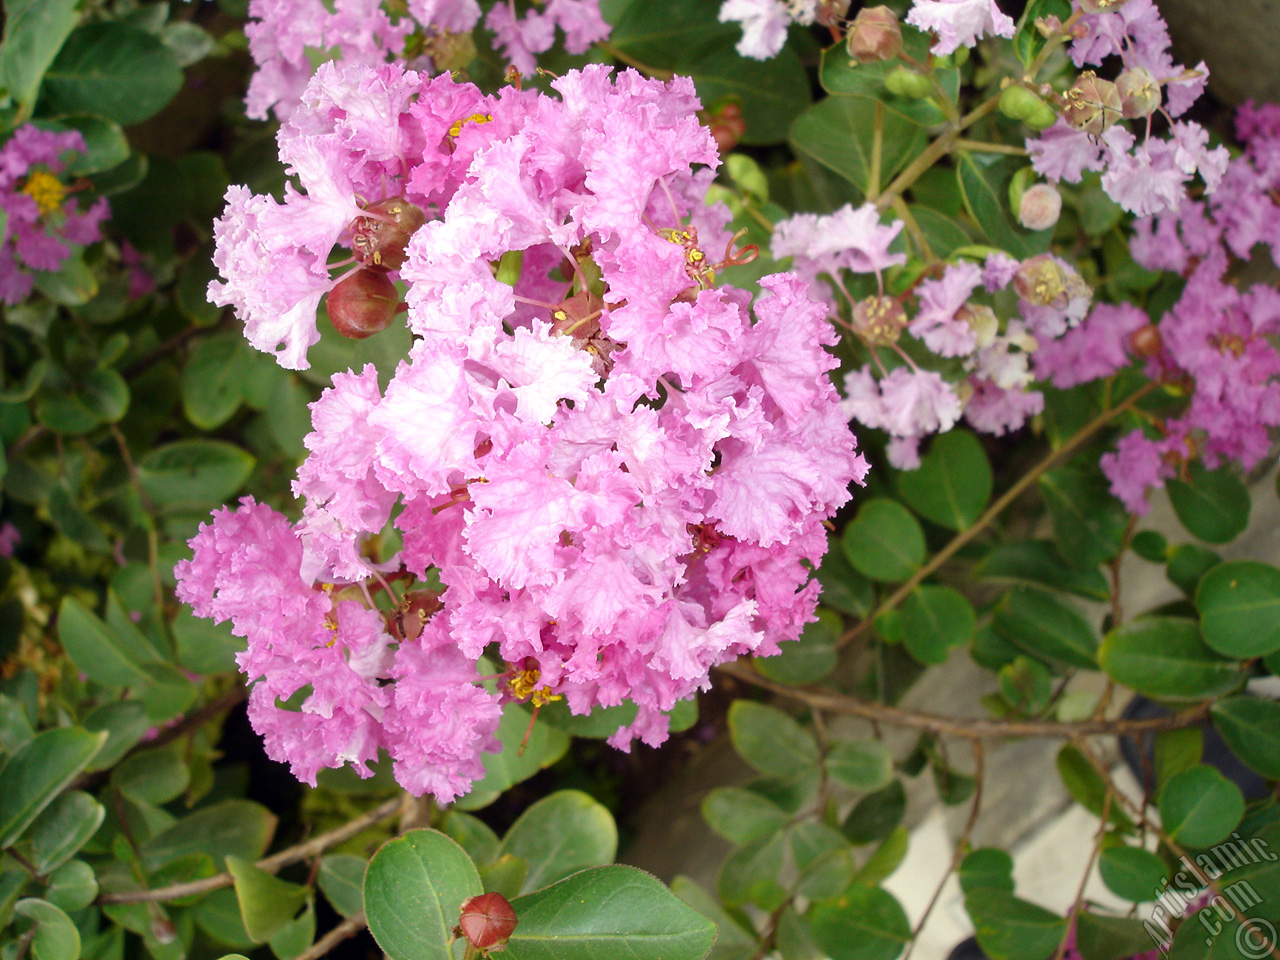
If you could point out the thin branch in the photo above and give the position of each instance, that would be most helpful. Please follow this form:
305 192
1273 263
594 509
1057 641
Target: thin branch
347 928
271 864
969 728
993 511
979 760
1099 836
982 146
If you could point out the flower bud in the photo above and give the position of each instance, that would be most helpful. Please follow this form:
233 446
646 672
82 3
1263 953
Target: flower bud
879 320
905 82
1101 6
379 238
1040 207
1139 93
363 303
1146 341
487 921
1093 104
727 126
874 35
1018 103
1040 281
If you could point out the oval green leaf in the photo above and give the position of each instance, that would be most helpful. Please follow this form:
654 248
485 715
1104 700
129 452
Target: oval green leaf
934 620
114 70
1164 657
413 894
884 541
862 765
191 474
770 740
561 834
611 911
1239 606
1133 873
1212 504
1013 929
1251 728
56 937
63 828
1045 627
1200 806
953 483
863 923
37 773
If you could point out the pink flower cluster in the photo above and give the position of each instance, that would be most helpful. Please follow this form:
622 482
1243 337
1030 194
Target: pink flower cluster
618 476
1216 343
43 222
1144 174
284 35
960 358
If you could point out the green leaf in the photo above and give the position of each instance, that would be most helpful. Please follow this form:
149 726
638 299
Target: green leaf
1187 565
1177 750
886 858
1239 606
750 874
863 765
838 132
843 587
546 745
809 659
1088 522
63 828
1133 873
863 923
742 816
413 893
561 834
1026 685
732 941
124 722
1028 41
1200 806
267 903
953 483
612 911
1101 937
986 868
238 828
984 184
934 620
823 859
37 773
78 406
1047 628
341 880
152 776
99 652
296 935
204 646
213 379
770 740
685 37
1008 928
874 816
884 541
113 70
191 474
34 31
1213 504
1087 787
1251 728
72 886
1164 657
1037 563
56 937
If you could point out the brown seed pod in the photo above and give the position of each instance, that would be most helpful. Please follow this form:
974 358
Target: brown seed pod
487 921
1146 341
874 35
379 238
362 304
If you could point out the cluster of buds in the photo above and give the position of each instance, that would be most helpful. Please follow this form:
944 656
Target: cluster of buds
365 301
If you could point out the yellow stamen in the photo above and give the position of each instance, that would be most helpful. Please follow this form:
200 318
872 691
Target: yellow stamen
46 190
474 118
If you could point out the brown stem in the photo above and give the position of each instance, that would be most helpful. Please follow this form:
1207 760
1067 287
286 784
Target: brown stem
271 864
347 928
993 511
1074 916
969 728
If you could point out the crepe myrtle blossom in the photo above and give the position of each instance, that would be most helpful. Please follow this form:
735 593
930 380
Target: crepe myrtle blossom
44 223
912 390
959 23
1142 173
284 35
765 22
612 467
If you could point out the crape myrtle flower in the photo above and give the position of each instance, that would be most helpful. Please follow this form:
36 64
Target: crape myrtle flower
959 23
1142 173
914 393
612 466
765 22
44 222
284 35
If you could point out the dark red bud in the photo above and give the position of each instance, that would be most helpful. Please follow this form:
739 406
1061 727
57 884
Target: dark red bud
1146 341
379 238
487 921
362 304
